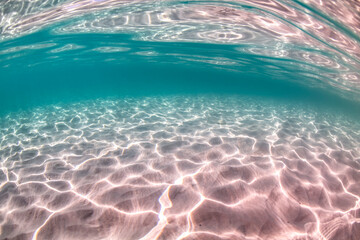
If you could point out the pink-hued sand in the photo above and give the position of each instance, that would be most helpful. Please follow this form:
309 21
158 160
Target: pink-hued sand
179 168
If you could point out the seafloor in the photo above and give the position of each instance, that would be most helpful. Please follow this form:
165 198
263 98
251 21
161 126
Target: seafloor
179 167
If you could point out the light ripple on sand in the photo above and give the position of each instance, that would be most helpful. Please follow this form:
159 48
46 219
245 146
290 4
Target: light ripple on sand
179 168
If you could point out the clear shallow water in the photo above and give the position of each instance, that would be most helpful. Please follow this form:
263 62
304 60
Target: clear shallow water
179 120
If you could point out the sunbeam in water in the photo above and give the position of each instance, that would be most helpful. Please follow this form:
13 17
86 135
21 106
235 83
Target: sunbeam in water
235 120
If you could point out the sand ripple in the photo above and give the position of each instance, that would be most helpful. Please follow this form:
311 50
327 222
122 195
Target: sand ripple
179 168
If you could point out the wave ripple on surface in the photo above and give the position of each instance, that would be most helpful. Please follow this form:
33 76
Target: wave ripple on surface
320 38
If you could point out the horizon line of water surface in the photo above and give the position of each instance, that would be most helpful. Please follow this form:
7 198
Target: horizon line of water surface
284 40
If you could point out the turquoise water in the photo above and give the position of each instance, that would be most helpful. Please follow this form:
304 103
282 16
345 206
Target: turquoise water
42 68
179 119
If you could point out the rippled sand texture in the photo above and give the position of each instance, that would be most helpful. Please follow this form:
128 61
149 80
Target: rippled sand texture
179 168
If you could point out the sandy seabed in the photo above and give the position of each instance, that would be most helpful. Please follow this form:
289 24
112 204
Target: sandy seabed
179 167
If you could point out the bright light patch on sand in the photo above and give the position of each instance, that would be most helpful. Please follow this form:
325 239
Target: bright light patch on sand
179 168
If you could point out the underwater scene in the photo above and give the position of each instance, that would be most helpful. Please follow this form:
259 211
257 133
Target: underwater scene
169 119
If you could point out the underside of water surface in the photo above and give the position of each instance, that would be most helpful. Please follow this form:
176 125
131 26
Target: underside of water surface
235 120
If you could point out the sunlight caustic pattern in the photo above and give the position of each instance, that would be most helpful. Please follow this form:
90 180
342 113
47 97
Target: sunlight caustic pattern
179 168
